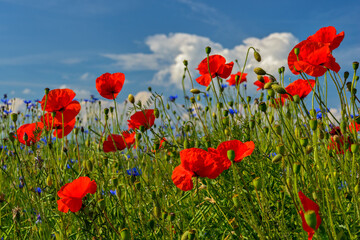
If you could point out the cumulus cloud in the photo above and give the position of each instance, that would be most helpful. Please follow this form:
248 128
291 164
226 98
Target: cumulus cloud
169 51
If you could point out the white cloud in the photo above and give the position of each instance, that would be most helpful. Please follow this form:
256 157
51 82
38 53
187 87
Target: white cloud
169 51
26 91
85 76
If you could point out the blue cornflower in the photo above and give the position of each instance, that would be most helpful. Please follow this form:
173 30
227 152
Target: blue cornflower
38 190
272 154
5 167
232 111
342 185
7 112
68 166
224 85
113 192
134 172
173 98
27 115
27 101
38 219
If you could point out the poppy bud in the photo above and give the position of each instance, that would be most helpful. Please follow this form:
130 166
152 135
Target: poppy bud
227 132
142 128
149 89
304 141
125 234
185 62
271 93
313 124
262 107
231 103
248 99
278 89
111 109
156 113
192 100
312 112
47 90
106 111
231 155
214 115
346 75
296 99
355 65
348 86
208 88
266 129
356 78
280 149
195 91
310 218
49 181
296 51
277 158
252 124
208 50
277 129
257 183
225 113
296 167
354 148
219 105
206 109
167 106
268 85
260 78
259 71
356 189
89 165
257 56
309 149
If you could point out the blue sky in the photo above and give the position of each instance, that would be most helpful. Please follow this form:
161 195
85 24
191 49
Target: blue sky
69 43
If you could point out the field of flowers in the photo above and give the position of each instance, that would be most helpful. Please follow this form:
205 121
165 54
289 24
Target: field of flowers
216 165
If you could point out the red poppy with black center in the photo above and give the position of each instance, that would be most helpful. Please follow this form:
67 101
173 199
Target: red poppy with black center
52 124
261 84
198 162
299 87
71 194
144 118
314 59
232 81
309 205
121 142
327 35
241 149
109 85
218 67
32 131
61 101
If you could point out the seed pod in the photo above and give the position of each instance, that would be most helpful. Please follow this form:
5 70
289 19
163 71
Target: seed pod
296 51
231 154
208 50
355 65
268 85
279 89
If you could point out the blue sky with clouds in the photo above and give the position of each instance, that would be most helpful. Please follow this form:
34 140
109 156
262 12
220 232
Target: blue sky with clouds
69 43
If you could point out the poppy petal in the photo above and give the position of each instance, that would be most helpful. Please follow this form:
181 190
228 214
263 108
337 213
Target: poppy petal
182 178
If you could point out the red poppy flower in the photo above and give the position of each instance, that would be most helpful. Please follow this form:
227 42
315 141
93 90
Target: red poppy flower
108 145
328 36
309 205
144 118
68 127
299 87
218 67
314 59
277 102
109 85
241 149
71 194
61 101
33 132
231 80
198 162
351 127
51 123
262 84
338 140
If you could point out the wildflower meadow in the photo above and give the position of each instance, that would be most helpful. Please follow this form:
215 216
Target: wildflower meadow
211 162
